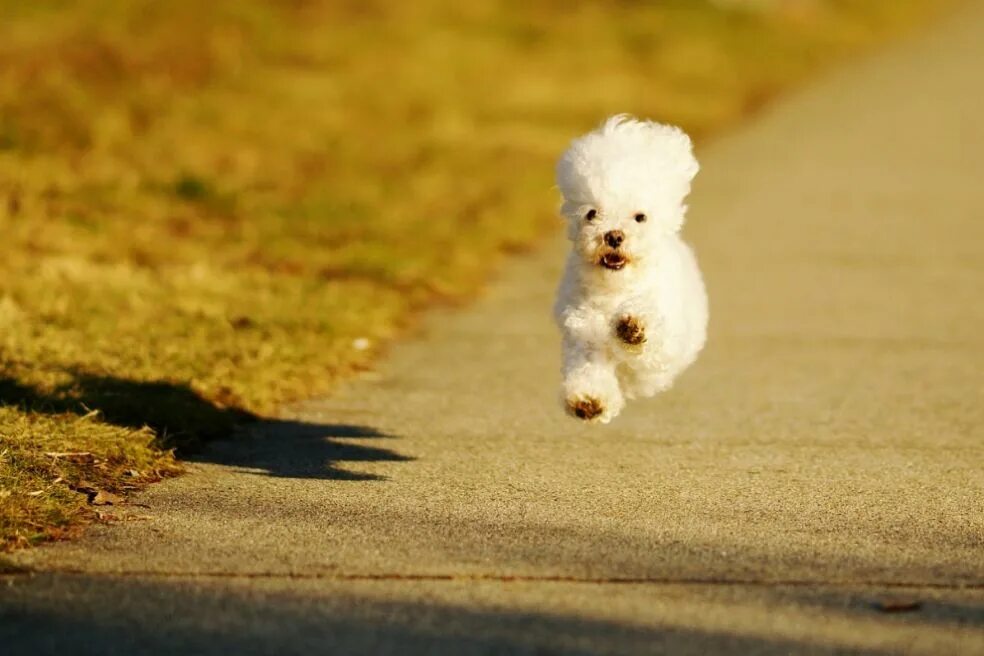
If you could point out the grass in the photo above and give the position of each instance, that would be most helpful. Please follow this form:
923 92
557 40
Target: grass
206 207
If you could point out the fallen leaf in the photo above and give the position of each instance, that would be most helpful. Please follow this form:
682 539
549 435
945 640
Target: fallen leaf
85 487
75 456
900 605
137 518
104 498
241 323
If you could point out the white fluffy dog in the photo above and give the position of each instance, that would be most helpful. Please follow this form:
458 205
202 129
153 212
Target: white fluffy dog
631 306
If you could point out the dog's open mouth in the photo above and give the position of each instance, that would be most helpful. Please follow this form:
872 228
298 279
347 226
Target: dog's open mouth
613 261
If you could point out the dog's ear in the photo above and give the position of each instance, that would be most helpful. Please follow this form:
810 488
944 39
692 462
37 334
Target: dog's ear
572 177
673 158
676 148
569 208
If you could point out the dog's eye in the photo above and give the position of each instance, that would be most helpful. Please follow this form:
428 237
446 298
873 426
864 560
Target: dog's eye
591 214
640 218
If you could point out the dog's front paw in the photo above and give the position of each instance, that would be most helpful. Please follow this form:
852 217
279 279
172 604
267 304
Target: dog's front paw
630 330
585 407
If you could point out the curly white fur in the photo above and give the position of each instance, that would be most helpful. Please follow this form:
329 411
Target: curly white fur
631 306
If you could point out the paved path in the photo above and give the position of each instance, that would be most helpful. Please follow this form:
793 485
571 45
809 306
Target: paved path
825 455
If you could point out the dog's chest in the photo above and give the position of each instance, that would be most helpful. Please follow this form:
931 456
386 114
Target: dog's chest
607 294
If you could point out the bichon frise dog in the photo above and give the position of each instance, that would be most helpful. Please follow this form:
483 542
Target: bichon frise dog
631 306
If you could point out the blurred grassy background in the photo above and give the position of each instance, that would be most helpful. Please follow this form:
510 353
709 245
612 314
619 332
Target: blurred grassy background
209 208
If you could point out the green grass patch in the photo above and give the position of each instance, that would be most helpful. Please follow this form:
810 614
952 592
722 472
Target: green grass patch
205 206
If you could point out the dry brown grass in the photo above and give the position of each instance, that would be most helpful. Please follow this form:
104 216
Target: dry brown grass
204 204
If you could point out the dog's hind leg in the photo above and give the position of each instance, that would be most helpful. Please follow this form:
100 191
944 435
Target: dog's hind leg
642 383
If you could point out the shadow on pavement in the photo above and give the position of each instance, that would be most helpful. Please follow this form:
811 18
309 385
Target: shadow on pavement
904 604
195 426
294 449
111 616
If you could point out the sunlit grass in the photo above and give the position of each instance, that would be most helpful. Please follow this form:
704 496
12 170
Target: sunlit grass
204 205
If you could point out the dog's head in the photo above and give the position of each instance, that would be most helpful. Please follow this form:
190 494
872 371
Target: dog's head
623 186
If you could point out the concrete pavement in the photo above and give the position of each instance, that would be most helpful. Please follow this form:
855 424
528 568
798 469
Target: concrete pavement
823 461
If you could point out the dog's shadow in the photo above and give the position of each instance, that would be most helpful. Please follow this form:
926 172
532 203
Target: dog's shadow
295 449
201 430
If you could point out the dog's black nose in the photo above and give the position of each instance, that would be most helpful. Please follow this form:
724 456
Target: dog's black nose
614 238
